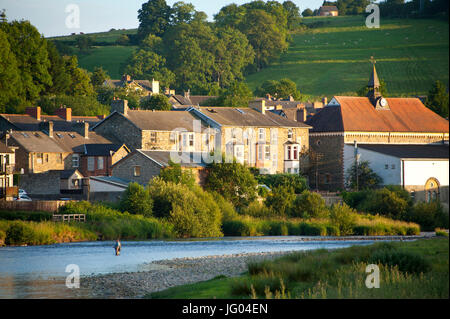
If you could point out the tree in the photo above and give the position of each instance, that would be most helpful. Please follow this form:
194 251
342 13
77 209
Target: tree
80 81
230 16
362 177
437 99
237 95
98 77
123 40
30 51
175 174
309 205
154 18
280 200
182 13
233 181
283 89
293 14
156 102
61 79
136 200
267 37
146 64
84 43
9 74
307 13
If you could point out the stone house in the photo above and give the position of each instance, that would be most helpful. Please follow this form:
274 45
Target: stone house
373 120
328 11
141 166
7 169
154 130
186 100
257 137
144 87
97 159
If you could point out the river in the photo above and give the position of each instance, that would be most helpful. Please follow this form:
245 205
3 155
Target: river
40 271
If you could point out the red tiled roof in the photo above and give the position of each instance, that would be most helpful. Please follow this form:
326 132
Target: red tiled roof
358 114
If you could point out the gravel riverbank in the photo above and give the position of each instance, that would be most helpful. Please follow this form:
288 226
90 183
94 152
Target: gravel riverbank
163 274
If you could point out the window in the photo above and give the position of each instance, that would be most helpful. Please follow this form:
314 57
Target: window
39 158
100 164
46 158
136 171
60 158
75 182
290 134
191 139
295 152
386 166
75 160
327 178
393 166
91 163
152 137
267 152
261 134
288 153
260 152
239 153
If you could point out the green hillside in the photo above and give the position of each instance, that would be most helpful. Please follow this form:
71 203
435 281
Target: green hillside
334 58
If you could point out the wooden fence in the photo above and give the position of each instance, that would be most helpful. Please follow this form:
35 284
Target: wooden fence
69 218
35 205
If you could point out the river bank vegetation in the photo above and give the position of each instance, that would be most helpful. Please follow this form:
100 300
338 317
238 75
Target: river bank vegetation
417 269
229 204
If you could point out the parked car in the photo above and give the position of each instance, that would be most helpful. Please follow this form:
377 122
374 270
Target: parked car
22 192
23 198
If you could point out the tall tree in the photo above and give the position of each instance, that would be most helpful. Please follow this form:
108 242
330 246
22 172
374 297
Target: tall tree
237 95
156 102
360 176
182 13
282 89
98 77
30 51
61 79
293 14
154 18
80 81
9 74
437 99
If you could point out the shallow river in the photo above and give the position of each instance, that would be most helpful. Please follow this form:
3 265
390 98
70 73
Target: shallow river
40 271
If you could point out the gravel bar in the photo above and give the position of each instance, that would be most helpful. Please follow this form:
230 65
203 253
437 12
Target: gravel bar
162 274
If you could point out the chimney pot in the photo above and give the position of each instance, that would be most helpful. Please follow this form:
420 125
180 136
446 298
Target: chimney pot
65 113
34 112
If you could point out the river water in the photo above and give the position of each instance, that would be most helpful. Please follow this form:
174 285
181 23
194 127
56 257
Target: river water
40 271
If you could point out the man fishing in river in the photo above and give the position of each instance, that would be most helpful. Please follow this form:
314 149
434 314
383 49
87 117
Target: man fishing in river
117 247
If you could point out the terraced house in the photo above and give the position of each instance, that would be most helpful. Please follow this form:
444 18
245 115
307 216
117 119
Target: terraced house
258 137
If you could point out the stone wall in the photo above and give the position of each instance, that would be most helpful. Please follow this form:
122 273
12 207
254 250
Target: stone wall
327 163
125 168
116 127
47 183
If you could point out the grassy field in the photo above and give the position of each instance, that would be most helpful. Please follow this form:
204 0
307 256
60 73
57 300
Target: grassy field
110 58
416 269
108 36
334 58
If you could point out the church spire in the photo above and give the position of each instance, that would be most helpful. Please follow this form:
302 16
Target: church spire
374 83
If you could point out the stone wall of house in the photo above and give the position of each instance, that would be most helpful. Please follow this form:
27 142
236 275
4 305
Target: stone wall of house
394 138
327 162
47 183
117 156
125 169
118 128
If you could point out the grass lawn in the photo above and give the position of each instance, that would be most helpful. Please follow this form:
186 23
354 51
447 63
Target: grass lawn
418 269
333 58
111 58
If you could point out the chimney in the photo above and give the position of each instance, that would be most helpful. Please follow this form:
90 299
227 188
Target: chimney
302 115
126 78
34 112
82 128
263 107
47 127
278 107
65 113
325 101
291 98
167 91
187 94
268 96
120 106
155 87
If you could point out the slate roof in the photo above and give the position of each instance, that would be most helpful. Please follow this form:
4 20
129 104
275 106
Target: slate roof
188 159
192 99
359 114
410 151
230 116
61 142
25 122
159 120
101 149
145 84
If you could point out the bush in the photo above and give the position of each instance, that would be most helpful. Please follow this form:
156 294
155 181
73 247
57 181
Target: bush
309 205
386 203
405 261
136 200
428 215
296 182
19 233
192 212
226 208
438 231
343 217
257 209
25 215
280 200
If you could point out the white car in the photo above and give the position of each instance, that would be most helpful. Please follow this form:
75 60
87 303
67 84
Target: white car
23 198
22 192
